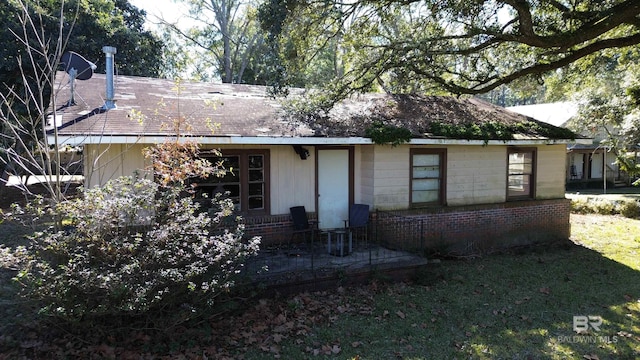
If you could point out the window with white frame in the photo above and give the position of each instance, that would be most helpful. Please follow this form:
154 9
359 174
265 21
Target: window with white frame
521 173
427 177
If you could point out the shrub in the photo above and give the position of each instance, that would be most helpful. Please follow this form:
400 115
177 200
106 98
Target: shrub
629 209
605 207
580 206
135 248
381 133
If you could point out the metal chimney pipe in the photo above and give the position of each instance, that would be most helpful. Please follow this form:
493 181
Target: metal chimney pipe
110 103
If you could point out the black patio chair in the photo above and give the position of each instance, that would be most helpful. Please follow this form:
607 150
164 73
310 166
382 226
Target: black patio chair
358 223
302 226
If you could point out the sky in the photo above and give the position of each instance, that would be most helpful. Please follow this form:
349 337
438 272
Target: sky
170 10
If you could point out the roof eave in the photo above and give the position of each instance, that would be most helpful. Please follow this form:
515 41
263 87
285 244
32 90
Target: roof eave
76 140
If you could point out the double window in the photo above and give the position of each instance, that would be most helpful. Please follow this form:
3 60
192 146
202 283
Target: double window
428 171
246 180
521 173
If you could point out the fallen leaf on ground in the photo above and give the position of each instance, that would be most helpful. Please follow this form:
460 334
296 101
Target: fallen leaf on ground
545 290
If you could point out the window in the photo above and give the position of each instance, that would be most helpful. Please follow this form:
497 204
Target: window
427 177
521 176
246 180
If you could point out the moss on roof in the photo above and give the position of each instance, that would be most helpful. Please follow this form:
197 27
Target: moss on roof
424 117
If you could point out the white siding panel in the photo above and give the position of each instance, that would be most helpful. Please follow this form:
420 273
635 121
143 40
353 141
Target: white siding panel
391 177
366 175
551 171
108 161
292 180
476 174
357 174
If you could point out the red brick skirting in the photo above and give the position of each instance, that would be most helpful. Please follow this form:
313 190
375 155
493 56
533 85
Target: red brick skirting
274 229
449 230
476 229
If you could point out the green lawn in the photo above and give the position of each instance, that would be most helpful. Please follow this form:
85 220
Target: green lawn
504 306
507 306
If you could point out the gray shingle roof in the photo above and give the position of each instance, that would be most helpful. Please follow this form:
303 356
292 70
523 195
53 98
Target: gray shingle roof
147 106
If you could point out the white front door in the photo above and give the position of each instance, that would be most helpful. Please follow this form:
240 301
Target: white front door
596 166
333 188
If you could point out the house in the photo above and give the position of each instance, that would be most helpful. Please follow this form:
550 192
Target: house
479 177
587 163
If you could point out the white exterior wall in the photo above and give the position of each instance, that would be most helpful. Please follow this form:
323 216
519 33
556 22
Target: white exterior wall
366 180
551 171
476 175
109 161
391 177
292 180
357 174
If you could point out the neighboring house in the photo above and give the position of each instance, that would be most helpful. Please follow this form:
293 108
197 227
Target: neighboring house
586 162
476 195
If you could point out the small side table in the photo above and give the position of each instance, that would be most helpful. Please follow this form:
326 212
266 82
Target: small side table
340 235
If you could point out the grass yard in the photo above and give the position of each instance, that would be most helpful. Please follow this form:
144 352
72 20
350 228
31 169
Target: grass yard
508 306
500 307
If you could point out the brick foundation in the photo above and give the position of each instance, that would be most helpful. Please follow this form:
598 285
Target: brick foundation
475 229
460 230
274 229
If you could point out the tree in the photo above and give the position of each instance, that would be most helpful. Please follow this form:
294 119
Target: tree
226 39
31 64
34 38
132 249
87 27
459 46
605 89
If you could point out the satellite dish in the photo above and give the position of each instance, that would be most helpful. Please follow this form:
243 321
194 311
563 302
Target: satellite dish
83 68
78 68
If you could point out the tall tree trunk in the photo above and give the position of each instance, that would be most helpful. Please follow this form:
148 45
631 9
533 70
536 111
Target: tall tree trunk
223 15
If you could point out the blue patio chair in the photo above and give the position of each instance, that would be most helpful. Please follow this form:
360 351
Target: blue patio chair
358 223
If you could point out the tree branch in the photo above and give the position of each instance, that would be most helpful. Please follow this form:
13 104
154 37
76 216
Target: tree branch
534 69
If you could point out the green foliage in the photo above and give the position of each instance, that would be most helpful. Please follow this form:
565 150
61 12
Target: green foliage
223 43
34 36
634 93
114 23
494 130
605 207
580 206
626 208
483 131
629 209
88 26
135 249
381 133
460 46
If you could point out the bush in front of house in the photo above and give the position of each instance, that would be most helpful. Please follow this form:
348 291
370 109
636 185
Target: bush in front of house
626 208
134 249
580 206
630 209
